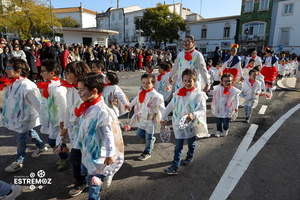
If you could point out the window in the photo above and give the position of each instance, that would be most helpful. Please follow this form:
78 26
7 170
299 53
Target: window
285 36
254 30
226 32
187 32
288 9
120 35
106 22
203 33
248 6
264 4
120 16
126 20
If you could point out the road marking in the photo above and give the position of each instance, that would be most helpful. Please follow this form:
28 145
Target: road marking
262 110
228 182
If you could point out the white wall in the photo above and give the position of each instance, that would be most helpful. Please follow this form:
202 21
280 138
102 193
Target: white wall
71 37
214 35
88 20
287 21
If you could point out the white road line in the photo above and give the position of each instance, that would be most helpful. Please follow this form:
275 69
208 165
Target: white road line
262 110
229 182
223 185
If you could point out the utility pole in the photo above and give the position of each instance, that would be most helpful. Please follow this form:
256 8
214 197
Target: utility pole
51 18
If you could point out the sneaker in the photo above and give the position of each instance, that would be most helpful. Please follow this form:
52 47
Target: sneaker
171 170
144 156
38 152
268 96
187 161
13 167
218 134
16 191
106 182
63 165
246 120
224 133
77 189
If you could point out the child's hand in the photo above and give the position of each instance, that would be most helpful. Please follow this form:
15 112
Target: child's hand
171 81
242 78
61 125
164 122
109 160
96 181
127 107
190 117
63 132
236 110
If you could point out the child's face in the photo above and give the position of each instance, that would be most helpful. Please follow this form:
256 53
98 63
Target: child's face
95 69
227 82
147 84
107 80
160 70
253 75
11 73
70 77
251 63
85 94
47 76
188 81
218 66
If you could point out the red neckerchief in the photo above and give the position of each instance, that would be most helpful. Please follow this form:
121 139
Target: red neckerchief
182 91
249 66
251 82
106 84
100 72
168 70
188 55
44 86
142 94
160 75
6 81
226 91
150 72
253 57
79 111
68 85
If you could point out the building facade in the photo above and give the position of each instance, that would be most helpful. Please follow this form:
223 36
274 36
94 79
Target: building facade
285 27
213 32
255 25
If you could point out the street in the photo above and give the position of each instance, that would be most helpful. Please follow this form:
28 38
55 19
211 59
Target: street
268 169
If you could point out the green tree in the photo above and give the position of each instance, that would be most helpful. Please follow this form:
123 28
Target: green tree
28 18
68 22
160 24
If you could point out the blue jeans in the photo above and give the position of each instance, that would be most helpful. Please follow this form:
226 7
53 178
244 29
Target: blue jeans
225 122
22 142
178 150
4 188
149 137
52 144
94 190
248 110
121 67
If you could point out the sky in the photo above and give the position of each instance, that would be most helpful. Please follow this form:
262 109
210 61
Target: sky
207 9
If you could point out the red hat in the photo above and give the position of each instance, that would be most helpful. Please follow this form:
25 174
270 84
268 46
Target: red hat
47 44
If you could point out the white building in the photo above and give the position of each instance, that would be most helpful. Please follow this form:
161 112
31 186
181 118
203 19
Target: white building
213 32
285 27
122 20
86 18
86 36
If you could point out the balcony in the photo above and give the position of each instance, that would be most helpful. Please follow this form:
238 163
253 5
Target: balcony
252 38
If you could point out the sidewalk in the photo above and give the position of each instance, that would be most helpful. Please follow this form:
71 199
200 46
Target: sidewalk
288 83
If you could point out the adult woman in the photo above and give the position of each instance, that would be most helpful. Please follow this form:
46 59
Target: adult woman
17 53
4 57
